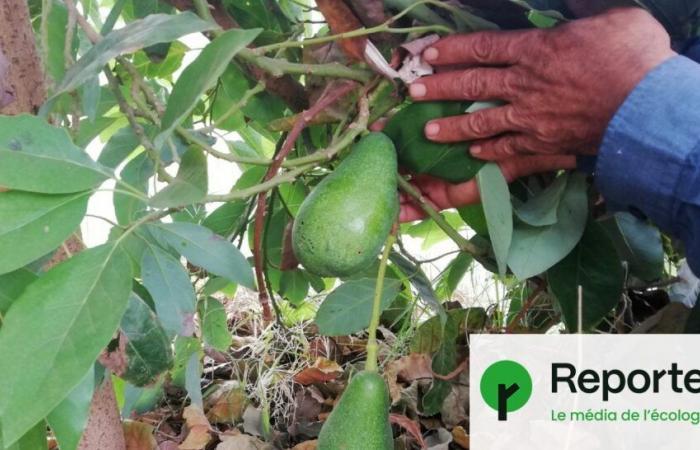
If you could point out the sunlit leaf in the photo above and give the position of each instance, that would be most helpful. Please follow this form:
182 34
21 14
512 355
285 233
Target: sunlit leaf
495 198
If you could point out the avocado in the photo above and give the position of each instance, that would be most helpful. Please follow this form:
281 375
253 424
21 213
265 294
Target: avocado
450 161
342 225
360 420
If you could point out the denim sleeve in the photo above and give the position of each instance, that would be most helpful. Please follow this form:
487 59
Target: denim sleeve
649 161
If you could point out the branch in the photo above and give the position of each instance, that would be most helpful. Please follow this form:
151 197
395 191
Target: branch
440 221
327 99
529 303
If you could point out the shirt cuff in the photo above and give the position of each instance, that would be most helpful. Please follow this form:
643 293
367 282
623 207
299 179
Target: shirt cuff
647 143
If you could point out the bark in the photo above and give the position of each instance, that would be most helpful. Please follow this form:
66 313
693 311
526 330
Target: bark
104 427
25 77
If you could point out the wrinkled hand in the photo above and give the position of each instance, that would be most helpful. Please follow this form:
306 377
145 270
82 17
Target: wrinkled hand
443 195
561 86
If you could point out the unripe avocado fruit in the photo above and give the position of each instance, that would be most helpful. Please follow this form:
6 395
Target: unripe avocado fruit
451 162
360 420
341 226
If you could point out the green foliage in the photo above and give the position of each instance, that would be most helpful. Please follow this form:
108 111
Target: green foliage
536 249
58 327
594 266
348 308
200 76
152 30
495 198
451 162
178 251
57 165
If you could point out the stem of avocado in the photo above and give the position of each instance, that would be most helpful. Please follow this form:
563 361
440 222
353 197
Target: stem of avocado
372 347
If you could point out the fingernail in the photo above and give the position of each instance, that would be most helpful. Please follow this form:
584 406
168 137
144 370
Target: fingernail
418 90
475 149
431 54
432 129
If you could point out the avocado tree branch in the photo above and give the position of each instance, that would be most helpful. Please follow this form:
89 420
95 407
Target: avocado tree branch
463 243
332 94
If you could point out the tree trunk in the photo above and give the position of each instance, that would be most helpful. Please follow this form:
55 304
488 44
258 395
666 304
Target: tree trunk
25 77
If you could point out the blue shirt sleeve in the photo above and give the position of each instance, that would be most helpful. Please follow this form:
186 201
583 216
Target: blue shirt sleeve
649 161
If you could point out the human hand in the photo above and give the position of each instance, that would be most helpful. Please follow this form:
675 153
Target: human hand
443 195
561 86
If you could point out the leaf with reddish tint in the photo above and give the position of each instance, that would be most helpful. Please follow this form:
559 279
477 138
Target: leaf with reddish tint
341 19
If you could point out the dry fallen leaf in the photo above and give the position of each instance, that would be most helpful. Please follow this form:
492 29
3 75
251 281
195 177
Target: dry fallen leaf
411 426
308 445
139 436
226 403
242 442
461 437
323 371
408 368
198 429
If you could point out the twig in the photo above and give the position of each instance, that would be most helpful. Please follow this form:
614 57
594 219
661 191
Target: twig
525 308
330 97
450 376
458 239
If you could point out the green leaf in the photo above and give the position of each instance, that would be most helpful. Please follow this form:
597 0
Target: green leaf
294 285
138 34
230 217
148 351
37 157
68 419
536 249
136 173
119 147
541 210
430 232
348 309
416 153
207 250
293 195
429 334
185 347
171 289
200 76
212 316
495 198
57 22
58 327
31 225
34 439
473 215
420 282
639 244
595 266
11 287
454 272
190 184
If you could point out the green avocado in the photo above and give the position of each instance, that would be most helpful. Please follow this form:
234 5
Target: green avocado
451 162
360 420
342 225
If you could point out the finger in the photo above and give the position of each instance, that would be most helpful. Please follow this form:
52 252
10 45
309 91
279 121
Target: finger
504 147
410 213
469 84
483 48
467 127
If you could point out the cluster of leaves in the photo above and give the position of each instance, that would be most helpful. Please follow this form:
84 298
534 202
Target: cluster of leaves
124 84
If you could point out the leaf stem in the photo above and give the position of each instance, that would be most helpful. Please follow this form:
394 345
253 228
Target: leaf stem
440 221
372 347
